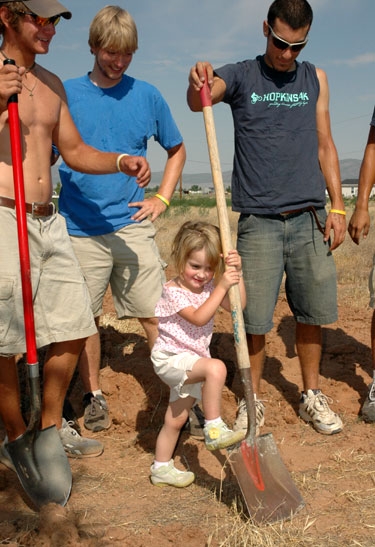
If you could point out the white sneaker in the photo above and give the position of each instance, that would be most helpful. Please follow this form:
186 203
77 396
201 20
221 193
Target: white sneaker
314 408
218 436
241 418
168 475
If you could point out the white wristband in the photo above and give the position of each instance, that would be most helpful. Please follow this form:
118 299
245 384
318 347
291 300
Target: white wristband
119 158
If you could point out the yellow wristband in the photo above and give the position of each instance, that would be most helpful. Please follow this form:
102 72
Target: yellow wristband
119 158
338 211
163 199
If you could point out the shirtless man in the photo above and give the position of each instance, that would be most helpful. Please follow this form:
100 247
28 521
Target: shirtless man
63 317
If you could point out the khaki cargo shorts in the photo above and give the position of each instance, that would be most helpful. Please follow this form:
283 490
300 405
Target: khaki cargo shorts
128 260
62 309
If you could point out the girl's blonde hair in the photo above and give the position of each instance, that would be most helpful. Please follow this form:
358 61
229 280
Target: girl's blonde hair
194 236
113 28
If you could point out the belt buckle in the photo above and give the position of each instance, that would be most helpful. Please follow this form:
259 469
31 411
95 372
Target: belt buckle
36 204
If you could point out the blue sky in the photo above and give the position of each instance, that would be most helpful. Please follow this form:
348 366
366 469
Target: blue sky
174 34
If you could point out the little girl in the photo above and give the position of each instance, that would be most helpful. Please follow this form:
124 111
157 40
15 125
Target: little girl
181 356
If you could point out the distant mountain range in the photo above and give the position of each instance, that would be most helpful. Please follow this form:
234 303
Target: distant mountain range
349 171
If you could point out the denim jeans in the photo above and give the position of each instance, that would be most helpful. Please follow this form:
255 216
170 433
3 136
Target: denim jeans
288 247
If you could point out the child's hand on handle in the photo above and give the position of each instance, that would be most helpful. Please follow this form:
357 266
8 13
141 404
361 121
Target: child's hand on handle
229 278
233 276
233 260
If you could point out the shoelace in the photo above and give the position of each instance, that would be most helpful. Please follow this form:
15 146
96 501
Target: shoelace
72 431
321 403
96 401
259 409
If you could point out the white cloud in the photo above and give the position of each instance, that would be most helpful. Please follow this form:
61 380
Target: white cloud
359 60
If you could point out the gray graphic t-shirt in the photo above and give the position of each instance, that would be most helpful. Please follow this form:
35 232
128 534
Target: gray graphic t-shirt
276 165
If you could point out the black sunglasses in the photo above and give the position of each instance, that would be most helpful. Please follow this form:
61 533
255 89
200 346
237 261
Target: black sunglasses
41 21
282 44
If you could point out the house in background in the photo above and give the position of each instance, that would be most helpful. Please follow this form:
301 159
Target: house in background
350 188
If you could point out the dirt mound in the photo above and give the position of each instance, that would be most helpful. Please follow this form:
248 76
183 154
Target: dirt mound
113 502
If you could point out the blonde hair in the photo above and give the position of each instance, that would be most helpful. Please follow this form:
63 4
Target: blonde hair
113 28
195 236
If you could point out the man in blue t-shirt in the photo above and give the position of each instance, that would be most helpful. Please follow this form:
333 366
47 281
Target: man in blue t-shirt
108 219
284 160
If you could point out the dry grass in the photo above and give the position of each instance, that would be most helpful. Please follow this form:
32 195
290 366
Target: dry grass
236 530
228 525
353 263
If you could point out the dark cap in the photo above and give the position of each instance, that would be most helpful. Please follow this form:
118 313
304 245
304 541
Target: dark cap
45 8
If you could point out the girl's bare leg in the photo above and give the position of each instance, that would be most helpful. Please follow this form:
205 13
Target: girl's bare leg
213 373
175 417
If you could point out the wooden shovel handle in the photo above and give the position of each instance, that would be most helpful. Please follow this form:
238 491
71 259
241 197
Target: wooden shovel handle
225 233
239 333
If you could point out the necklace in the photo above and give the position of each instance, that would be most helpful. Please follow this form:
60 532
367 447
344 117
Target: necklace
28 69
30 90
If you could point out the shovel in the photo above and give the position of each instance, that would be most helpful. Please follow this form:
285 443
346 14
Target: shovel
266 485
38 455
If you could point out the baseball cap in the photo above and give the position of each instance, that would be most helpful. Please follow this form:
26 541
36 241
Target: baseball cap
45 8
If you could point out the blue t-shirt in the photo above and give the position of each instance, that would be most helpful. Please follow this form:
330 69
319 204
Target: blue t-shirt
117 119
276 165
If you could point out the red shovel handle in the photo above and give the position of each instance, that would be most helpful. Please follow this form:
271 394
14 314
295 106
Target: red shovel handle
23 241
205 94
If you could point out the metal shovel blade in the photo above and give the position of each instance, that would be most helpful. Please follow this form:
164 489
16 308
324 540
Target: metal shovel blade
270 495
42 466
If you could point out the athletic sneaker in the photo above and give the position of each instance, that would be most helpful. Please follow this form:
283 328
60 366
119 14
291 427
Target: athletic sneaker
96 416
168 475
314 408
76 446
70 415
368 408
196 422
241 419
218 436
5 458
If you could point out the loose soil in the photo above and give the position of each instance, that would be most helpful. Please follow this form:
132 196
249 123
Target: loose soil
113 501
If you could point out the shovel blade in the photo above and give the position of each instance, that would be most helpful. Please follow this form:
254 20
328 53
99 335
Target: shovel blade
266 485
42 466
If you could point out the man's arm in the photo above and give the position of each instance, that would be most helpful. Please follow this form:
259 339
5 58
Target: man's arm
360 220
329 164
154 206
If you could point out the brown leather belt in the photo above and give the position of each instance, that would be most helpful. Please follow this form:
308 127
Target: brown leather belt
35 209
294 211
310 209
